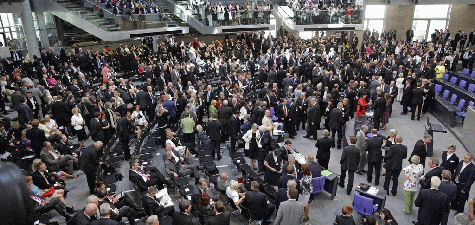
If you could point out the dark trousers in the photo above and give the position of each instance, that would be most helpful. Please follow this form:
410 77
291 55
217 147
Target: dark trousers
312 130
215 148
339 135
124 143
91 181
233 143
351 178
261 158
377 172
125 211
323 161
394 175
156 178
291 128
427 105
376 122
461 199
413 111
56 204
404 107
300 120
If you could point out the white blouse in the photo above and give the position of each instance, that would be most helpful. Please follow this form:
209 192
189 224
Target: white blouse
77 121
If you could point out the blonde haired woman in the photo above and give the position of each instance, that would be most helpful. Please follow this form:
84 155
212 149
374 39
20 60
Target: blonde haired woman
78 123
412 174
251 148
212 109
232 192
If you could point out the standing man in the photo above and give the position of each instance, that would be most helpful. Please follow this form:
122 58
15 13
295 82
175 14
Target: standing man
313 119
214 133
291 211
450 160
450 189
463 178
123 129
406 96
361 146
420 148
233 129
90 161
379 106
336 123
375 156
349 162
416 101
393 159
432 204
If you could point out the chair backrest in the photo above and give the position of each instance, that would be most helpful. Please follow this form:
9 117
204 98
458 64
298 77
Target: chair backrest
471 87
473 74
453 99
438 89
470 103
363 204
318 184
446 94
453 80
445 77
465 71
463 83
461 104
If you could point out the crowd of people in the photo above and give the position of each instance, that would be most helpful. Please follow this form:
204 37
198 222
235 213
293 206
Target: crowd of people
229 90
130 7
326 12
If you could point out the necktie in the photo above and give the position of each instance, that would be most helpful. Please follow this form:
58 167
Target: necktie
285 110
144 177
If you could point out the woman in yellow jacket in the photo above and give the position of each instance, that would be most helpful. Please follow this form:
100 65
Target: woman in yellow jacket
440 70
212 109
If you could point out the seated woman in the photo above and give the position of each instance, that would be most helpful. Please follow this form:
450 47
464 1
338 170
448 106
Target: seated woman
205 209
232 191
139 117
53 193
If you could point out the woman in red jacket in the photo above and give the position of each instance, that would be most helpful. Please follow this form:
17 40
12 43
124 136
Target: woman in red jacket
360 109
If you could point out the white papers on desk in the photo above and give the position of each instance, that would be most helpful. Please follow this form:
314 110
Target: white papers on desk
163 196
278 129
299 158
372 191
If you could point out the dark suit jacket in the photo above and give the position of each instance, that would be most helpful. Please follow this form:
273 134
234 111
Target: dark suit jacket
324 145
466 177
37 138
80 219
151 206
437 171
344 220
221 219
373 147
379 107
336 119
256 202
350 158
451 163
124 128
96 131
316 169
104 221
90 159
416 97
233 126
394 157
284 179
450 189
137 180
40 182
213 130
420 150
313 115
432 205
180 218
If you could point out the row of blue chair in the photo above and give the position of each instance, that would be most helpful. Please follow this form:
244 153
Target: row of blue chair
466 71
461 105
455 79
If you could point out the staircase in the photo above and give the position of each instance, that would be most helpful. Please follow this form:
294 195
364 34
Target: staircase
104 22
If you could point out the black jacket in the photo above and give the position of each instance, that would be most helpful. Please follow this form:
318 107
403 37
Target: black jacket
104 221
256 202
437 171
96 131
90 159
213 130
324 145
450 189
344 220
393 159
180 218
432 205
336 119
80 219
466 177
373 147
420 150
233 126
450 163
40 181
416 97
379 106
350 158
221 219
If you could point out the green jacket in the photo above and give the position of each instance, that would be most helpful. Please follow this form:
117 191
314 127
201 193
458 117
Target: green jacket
188 125
211 111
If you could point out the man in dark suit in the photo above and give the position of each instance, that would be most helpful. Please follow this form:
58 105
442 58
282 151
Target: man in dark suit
406 97
84 216
379 106
257 204
144 180
42 178
224 114
416 101
105 211
336 123
153 206
213 130
463 178
123 129
313 119
432 204
349 162
450 160
37 137
96 131
450 189
90 161
233 129
420 149
221 218
434 170
288 175
282 112
324 145
393 160
375 156
25 114
183 217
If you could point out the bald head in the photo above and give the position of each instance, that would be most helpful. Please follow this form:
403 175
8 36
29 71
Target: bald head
152 220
